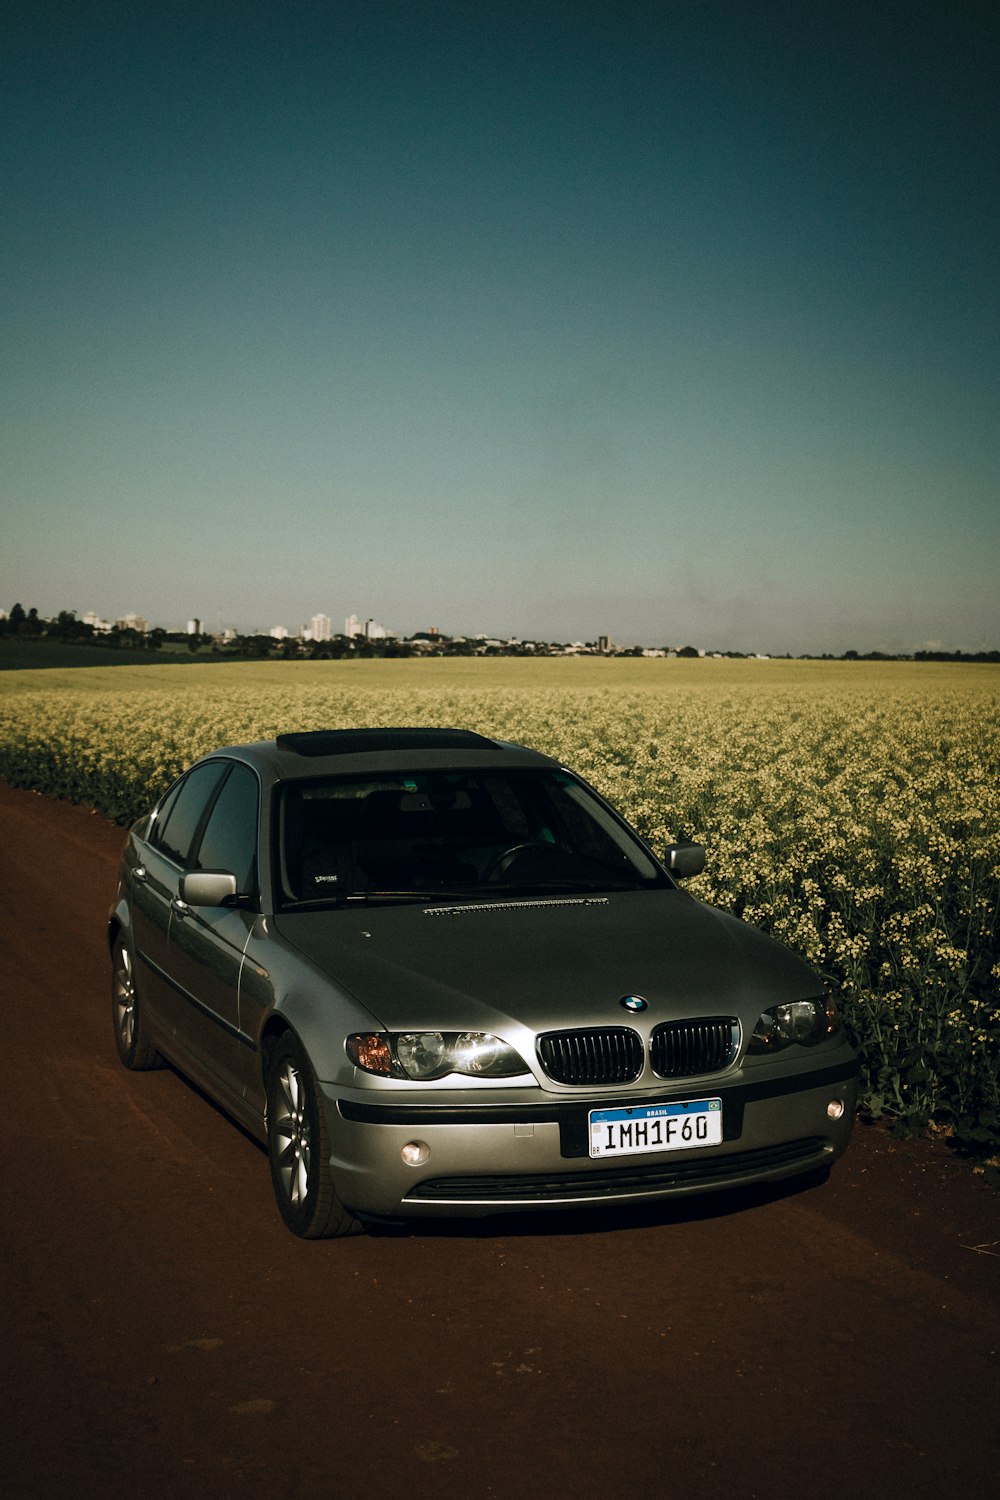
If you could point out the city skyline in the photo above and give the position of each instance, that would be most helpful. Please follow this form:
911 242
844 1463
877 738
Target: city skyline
319 629
673 321
368 628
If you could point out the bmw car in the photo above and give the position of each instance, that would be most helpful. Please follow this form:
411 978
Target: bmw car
437 974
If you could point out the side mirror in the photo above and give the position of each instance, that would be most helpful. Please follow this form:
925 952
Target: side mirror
684 859
207 887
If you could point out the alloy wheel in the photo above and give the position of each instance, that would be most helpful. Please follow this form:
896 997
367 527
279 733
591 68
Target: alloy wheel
124 995
292 1134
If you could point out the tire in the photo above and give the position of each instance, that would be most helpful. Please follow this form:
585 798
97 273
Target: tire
131 1036
298 1148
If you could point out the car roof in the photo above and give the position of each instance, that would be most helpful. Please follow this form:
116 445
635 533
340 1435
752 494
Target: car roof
346 752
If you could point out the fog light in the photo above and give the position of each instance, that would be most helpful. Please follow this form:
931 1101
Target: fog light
415 1153
835 1108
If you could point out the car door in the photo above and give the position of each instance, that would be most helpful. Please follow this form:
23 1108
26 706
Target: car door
155 878
207 943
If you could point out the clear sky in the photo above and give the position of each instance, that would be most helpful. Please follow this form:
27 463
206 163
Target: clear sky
672 321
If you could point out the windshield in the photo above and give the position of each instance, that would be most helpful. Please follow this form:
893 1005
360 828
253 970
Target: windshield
451 834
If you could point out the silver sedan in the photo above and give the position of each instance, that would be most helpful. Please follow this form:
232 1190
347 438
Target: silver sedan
437 974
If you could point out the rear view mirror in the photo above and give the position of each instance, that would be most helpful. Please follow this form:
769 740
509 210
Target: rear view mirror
684 858
207 887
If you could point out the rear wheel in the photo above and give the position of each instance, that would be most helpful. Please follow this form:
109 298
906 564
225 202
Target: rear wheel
298 1146
131 1036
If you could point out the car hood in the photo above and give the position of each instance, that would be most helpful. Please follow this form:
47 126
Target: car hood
548 963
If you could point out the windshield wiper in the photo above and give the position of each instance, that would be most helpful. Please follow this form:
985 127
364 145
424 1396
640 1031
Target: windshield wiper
491 892
362 898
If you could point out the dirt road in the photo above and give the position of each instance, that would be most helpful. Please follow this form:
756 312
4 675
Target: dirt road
164 1336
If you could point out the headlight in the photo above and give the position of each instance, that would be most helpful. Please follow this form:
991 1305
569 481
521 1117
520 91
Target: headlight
422 1054
802 1021
434 1054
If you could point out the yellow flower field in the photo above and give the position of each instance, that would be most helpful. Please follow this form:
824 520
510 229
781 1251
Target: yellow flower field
851 809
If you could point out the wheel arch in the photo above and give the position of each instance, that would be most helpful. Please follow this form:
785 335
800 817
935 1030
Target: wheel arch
119 924
274 1030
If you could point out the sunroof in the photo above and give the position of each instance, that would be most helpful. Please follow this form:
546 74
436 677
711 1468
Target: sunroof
367 741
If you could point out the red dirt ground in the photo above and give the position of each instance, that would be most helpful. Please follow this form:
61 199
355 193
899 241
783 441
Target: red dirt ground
164 1336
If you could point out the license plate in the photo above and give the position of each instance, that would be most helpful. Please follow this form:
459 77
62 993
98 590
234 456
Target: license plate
656 1127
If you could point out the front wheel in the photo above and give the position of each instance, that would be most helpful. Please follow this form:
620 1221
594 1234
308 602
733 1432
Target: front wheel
131 1036
298 1147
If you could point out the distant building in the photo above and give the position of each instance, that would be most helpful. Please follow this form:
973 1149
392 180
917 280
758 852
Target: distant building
319 627
194 627
371 630
278 633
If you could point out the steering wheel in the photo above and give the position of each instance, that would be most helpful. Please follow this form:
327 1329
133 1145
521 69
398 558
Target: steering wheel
501 863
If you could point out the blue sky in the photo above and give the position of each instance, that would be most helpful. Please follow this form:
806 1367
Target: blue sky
675 322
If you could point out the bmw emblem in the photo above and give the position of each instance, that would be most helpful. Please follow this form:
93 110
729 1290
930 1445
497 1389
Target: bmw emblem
633 1003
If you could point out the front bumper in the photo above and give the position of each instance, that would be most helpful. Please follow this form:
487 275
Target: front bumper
485 1156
